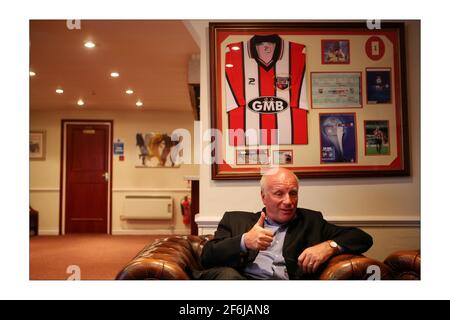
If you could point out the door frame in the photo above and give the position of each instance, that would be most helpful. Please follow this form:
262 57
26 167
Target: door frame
62 180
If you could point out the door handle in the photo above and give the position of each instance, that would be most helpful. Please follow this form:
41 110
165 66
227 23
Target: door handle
106 176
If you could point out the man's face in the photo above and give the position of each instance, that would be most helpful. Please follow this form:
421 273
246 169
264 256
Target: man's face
280 197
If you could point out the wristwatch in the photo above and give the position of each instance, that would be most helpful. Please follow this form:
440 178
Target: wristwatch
334 245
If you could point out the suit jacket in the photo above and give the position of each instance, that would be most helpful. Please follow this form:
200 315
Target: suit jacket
307 229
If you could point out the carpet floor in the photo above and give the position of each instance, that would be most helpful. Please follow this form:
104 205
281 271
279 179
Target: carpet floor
97 257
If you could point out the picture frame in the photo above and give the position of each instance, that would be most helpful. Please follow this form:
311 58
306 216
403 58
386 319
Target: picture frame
335 51
338 138
252 156
262 98
336 90
37 145
281 157
378 85
376 137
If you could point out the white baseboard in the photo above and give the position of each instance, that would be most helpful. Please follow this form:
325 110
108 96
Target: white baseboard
151 232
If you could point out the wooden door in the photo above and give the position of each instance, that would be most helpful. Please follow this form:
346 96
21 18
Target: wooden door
87 175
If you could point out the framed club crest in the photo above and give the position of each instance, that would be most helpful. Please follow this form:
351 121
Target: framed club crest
305 93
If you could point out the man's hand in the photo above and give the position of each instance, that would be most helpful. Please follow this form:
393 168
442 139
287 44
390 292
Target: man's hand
258 238
311 258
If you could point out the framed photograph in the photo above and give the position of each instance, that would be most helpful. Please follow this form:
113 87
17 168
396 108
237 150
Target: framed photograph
283 157
376 136
272 82
37 145
335 51
252 156
378 85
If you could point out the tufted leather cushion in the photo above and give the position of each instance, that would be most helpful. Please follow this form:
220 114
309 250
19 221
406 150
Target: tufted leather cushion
405 264
169 258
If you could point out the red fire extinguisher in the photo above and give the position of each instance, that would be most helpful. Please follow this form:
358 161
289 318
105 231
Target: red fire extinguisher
186 210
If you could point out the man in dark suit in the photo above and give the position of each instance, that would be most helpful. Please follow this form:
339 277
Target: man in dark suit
280 242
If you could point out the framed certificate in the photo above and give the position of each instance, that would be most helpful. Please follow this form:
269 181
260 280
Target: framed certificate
336 90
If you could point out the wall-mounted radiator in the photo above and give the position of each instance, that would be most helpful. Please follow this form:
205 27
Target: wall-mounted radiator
147 208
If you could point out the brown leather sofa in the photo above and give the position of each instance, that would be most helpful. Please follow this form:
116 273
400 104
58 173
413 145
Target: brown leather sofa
405 265
174 258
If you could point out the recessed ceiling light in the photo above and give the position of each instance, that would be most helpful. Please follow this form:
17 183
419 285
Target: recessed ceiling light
114 74
229 65
89 44
139 104
235 48
59 90
80 102
32 73
129 91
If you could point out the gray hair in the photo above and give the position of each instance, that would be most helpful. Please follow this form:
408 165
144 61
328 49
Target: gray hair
269 172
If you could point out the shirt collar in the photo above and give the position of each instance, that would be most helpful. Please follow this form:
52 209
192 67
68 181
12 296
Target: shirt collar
270 222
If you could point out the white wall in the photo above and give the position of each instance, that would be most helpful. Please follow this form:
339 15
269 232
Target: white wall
127 180
387 201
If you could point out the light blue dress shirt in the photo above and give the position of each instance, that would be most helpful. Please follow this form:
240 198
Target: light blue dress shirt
269 263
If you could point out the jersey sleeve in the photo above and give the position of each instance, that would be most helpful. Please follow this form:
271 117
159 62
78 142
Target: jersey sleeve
234 74
299 90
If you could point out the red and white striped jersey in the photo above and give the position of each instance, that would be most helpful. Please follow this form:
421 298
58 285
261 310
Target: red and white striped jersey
265 90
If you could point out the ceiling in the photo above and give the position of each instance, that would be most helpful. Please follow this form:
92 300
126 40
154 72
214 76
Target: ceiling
151 57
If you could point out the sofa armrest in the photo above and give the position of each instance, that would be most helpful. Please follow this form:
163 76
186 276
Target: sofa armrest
170 258
353 267
404 264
